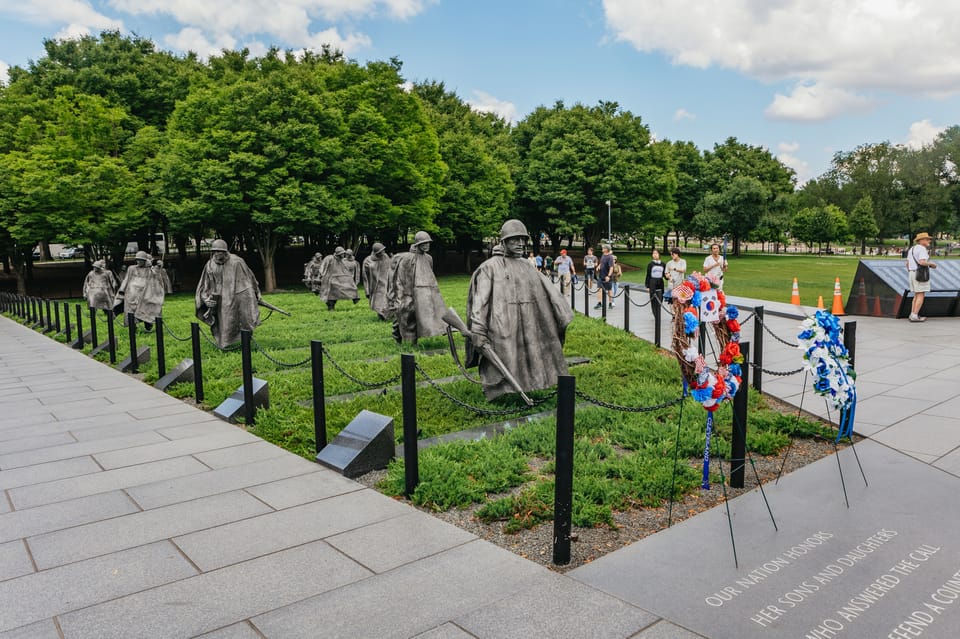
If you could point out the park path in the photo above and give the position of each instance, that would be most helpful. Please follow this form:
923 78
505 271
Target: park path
127 513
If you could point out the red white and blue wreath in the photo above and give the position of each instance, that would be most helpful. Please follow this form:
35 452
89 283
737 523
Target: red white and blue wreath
828 361
698 301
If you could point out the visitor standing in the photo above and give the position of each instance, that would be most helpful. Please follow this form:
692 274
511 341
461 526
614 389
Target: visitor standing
919 256
715 264
654 281
674 273
605 276
590 268
565 270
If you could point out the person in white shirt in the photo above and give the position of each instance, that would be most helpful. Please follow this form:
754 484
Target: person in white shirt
715 264
674 273
918 255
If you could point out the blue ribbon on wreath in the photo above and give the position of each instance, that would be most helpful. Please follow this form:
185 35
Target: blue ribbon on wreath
705 484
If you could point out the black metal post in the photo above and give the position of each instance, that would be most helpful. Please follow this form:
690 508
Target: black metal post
197 365
111 338
249 410
702 339
56 313
79 343
50 325
408 386
94 342
626 307
38 312
161 354
573 295
132 330
657 319
758 348
563 472
738 442
603 303
586 297
66 322
319 396
850 341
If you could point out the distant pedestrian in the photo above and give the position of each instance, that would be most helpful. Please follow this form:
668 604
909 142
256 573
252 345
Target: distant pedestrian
590 268
715 264
538 262
919 256
605 276
532 259
674 273
565 270
548 267
654 281
615 279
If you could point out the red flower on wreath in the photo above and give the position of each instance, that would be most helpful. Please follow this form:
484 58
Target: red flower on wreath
704 285
730 353
733 325
721 297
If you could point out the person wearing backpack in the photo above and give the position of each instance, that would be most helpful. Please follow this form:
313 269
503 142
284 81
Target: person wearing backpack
918 267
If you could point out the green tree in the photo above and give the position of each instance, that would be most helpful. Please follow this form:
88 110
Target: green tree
862 222
477 186
818 225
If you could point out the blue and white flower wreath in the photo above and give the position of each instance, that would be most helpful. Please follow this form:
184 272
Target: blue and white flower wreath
829 362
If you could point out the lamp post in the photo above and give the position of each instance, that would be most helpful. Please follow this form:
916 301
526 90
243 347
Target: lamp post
609 233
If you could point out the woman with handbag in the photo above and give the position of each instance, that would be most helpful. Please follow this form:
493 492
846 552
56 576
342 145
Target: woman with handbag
918 267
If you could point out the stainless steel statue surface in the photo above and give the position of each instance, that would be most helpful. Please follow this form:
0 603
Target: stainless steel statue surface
100 287
227 296
339 278
413 295
311 273
376 271
143 289
516 320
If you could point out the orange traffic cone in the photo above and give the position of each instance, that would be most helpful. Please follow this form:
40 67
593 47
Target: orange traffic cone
837 299
820 302
795 295
877 309
862 298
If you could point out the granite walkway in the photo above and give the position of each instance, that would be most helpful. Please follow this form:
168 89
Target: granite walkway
127 513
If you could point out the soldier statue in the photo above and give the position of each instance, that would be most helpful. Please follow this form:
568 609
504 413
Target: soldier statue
376 270
227 296
413 295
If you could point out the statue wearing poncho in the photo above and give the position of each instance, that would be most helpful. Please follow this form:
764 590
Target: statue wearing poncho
227 296
100 287
376 271
143 290
413 295
515 309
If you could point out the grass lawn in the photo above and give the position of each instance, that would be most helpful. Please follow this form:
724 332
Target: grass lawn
622 459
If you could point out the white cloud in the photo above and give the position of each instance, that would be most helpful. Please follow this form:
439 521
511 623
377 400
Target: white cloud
846 47
922 134
787 153
683 114
486 103
4 68
195 40
287 24
77 16
816 102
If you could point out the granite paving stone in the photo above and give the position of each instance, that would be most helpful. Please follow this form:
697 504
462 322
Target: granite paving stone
119 533
923 436
186 429
79 449
62 426
45 629
387 544
155 424
303 489
666 630
104 481
439 588
950 462
257 536
49 471
50 593
886 411
212 482
5 506
31 443
14 560
165 408
241 630
44 519
240 454
445 631
166 449
219 598
557 607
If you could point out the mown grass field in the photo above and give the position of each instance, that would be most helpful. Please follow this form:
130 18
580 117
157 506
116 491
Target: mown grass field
622 459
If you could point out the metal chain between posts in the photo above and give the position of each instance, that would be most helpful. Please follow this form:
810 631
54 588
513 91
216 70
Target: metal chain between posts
386 382
775 336
778 373
641 304
628 409
225 349
476 409
166 327
744 320
266 354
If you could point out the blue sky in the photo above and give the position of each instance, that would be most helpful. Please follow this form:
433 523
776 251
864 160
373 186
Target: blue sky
803 78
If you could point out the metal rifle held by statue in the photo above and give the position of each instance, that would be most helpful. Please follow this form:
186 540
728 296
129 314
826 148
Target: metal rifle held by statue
450 317
260 302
